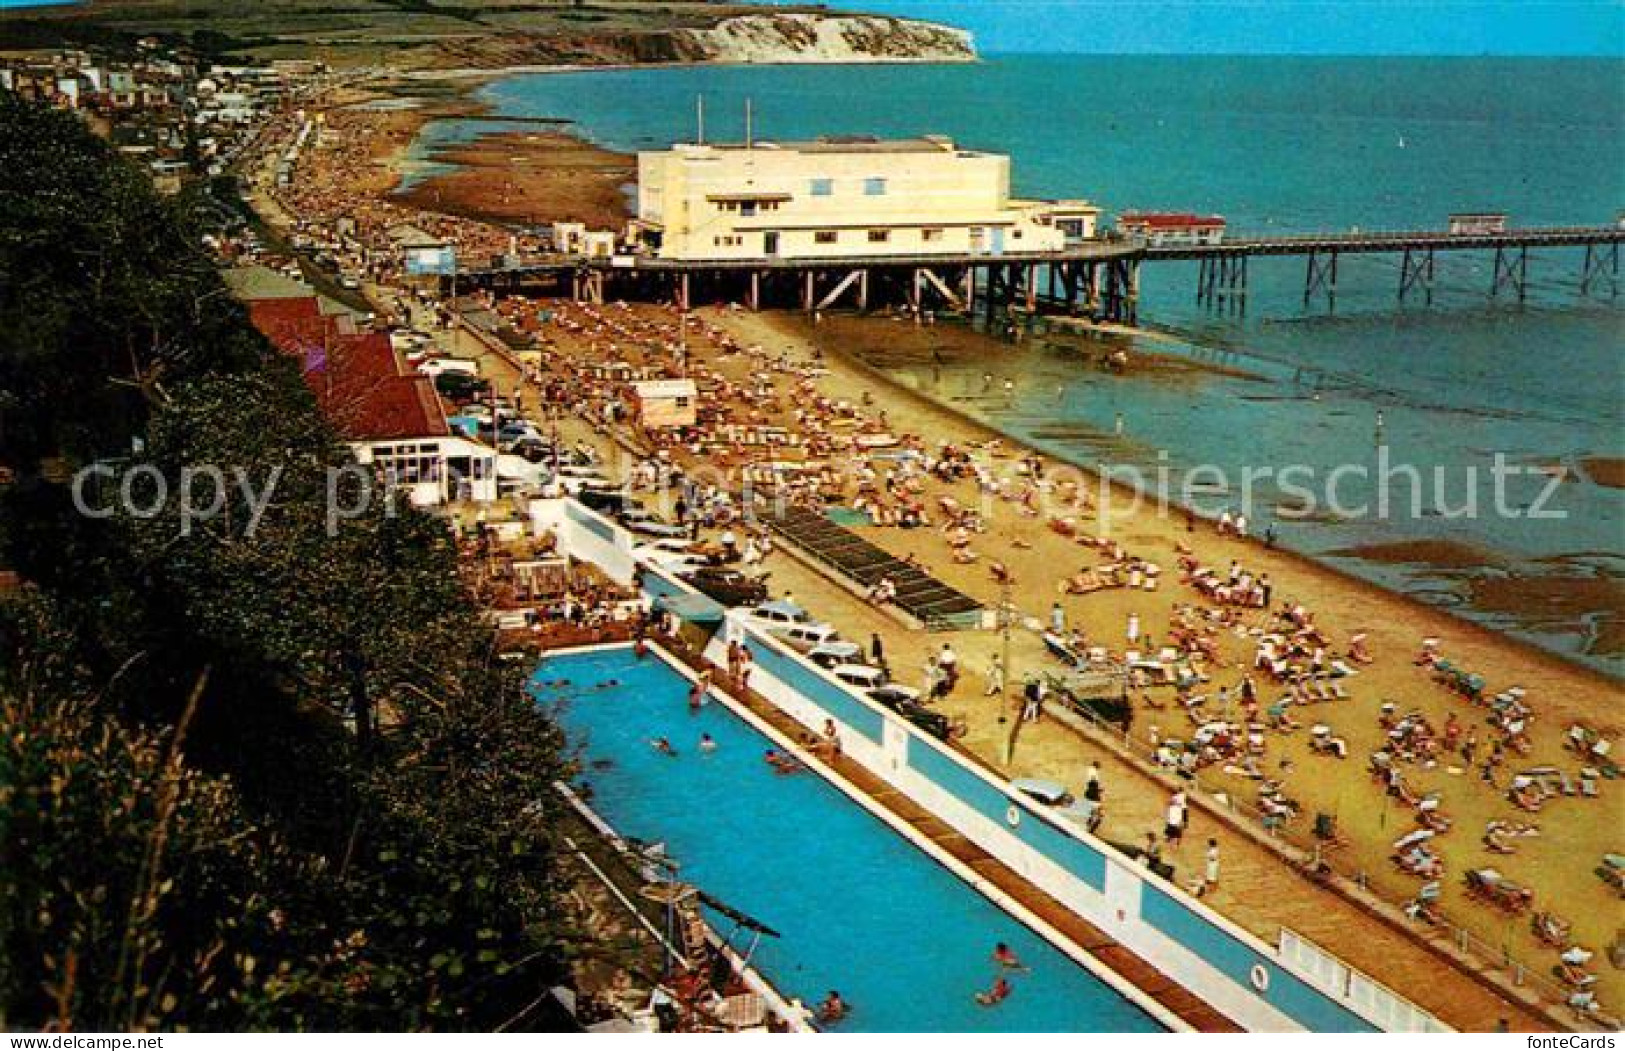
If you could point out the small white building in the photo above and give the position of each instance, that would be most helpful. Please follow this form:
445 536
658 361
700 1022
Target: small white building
431 471
1478 223
842 198
421 253
1172 228
666 403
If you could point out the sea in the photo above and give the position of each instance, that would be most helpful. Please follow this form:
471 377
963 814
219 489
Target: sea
1508 411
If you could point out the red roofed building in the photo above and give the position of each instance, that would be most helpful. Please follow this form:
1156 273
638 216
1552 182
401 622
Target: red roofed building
1172 228
391 417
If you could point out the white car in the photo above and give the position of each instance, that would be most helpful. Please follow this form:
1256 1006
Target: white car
674 556
804 637
862 676
778 614
838 651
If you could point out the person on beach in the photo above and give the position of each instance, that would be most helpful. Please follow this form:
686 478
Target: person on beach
995 676
948 661
1174 831
1032 701
1091 782
1057 619
1133 628
877 650
1211 875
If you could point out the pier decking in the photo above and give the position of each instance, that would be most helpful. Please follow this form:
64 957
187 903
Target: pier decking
1099 279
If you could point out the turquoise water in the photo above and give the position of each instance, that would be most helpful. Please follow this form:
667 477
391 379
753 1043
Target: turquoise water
1292 144
859 908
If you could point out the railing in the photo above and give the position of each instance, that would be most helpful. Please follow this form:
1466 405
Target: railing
1317 864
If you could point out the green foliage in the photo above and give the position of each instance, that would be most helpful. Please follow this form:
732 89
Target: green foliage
259 772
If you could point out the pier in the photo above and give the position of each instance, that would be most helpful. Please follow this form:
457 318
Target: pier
1099 279
1222 271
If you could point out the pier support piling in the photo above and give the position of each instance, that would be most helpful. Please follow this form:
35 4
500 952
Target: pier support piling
1416 272
1321 276
1601 267
1511 272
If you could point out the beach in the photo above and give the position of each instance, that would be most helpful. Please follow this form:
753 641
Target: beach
1574 832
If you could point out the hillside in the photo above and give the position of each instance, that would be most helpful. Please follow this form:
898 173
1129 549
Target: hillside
437 34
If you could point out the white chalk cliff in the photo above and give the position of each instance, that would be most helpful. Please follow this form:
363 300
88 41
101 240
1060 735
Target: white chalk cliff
811 38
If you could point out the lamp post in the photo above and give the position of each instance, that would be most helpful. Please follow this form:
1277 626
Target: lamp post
1007 616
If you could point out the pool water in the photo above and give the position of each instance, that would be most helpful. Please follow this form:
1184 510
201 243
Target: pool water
859 908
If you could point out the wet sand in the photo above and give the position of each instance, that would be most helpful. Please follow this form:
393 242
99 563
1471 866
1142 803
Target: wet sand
1442 554
513 176
1605 470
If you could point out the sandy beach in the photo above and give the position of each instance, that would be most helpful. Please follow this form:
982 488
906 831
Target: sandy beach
1573 832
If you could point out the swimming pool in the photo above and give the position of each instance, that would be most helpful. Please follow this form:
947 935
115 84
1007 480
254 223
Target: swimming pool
860 909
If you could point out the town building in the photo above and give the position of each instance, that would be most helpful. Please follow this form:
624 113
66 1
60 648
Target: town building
1172 228
666 403
391 418
842 198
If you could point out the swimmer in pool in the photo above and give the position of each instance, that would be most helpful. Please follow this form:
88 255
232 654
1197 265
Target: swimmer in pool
663 746
1000 991
780 762
833 1009
707 743
1004 956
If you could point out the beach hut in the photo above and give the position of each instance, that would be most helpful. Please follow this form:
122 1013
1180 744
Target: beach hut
665 403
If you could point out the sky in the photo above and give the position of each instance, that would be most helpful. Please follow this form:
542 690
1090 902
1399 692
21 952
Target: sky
1310 27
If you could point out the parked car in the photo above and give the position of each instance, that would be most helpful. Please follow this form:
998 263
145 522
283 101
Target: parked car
514 430
778 613
438 366
674 556
897 699
1056 798
836 651
460 386
862 676
728 586
892 694
575 485
532 450
804 637
604 501
647 523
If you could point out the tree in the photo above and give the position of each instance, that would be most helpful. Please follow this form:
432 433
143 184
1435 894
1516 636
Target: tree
326 703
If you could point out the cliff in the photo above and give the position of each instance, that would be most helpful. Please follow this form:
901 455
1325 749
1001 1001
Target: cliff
775 37
828 38
445 34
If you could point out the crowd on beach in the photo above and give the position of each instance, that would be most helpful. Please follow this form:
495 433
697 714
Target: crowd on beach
1235 667
774 436
339 197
